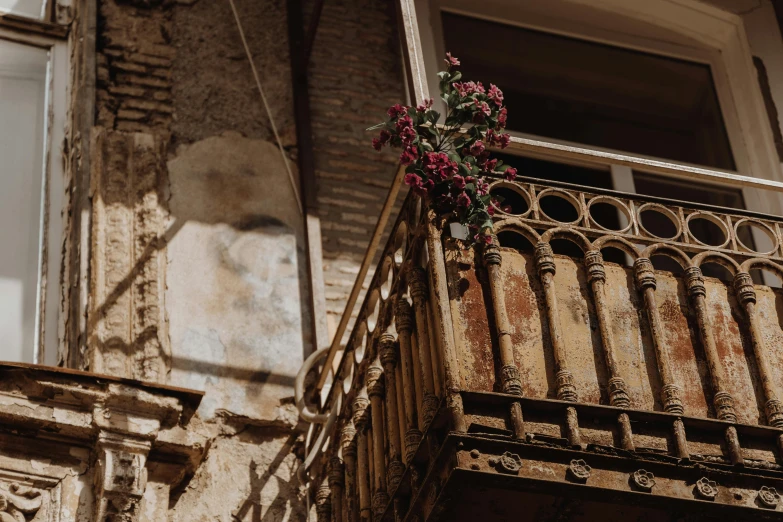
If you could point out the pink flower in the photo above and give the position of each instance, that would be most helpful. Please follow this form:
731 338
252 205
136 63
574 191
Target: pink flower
502 118
409 155
407 135
382 140
483 107
459 181
412 179
463 200
419 186
495 139
477 148
490 165
467 88
510 173
438 165
397 110
451 60
482 188
495 94
427 104
404 122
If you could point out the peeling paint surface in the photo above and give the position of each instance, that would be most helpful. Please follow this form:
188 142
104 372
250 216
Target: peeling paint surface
236 332
629 327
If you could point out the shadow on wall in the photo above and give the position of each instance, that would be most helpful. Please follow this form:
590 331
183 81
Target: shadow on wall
254 505
236 278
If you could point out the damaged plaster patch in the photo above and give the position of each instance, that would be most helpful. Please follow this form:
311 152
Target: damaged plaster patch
245 478
237 331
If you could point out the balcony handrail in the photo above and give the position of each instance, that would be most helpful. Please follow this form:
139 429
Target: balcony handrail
330 363
561 151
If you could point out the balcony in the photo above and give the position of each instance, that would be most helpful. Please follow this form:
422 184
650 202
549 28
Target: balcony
511 382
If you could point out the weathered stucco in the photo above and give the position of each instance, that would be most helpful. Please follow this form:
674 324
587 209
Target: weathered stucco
247 477
236 331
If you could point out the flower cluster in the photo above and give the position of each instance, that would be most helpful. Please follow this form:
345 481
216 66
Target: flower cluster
448 163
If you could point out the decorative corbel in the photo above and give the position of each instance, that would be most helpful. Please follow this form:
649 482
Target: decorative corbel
120 477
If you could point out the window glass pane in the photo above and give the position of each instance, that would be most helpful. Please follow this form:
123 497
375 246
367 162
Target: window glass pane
27 8
595 94
22 132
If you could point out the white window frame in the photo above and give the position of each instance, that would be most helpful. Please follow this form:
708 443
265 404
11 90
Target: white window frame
684 29
53 187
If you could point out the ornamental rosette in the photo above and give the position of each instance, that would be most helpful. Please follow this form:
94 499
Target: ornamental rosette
768 497
448 163
643 479
507 462
706 488
579 470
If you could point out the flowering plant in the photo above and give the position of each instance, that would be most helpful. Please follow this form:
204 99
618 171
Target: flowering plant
444 164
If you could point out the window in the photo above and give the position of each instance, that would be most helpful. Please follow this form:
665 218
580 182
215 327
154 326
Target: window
596 94
33 84
667 85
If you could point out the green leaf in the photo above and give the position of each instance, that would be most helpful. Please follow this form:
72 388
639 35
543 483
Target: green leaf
444 75
376 126
456 76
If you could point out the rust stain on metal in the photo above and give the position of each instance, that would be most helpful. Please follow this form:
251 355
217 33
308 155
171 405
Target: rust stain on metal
737 357
688 365
475 344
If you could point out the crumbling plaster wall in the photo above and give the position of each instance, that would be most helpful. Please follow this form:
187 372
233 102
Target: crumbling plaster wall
236 293
197 258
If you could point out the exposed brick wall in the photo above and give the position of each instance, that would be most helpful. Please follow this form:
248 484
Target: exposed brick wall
355 75
134 67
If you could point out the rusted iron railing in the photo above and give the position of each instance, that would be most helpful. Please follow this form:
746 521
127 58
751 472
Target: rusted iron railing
416 367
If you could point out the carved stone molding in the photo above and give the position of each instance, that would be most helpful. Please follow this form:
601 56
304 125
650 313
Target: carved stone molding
120 477
74 423
127 332
19 503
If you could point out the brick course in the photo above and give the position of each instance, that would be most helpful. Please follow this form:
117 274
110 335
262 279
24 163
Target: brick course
355 75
